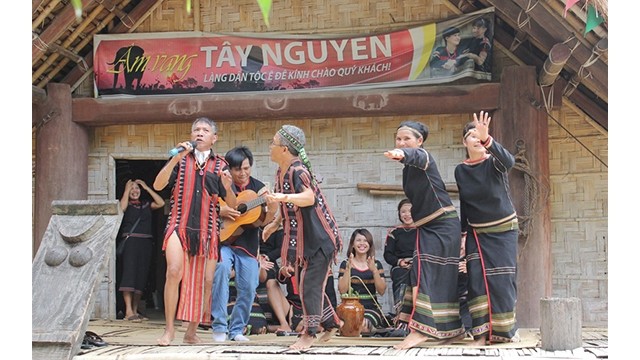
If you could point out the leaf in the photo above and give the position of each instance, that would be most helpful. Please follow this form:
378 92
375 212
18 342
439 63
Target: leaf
77 6
265 7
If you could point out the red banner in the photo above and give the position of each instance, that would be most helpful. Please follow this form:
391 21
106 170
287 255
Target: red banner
193 62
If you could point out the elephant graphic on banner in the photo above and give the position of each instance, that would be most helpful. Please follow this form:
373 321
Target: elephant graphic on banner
133 66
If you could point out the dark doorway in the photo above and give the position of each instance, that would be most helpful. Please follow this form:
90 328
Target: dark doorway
145 170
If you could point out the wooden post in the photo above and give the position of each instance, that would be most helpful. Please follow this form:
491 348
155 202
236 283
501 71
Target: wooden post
521 118
62 157
561 327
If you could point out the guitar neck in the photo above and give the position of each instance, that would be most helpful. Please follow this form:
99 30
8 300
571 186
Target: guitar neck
255 202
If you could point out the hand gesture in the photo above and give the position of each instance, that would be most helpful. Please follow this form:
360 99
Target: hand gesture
286 271
128 185
371 262
395 154
350 261
276 197
269 229
227 180
405 263
482 125
450 64
272 206
142 184
265 264
462 266
229 212
187 147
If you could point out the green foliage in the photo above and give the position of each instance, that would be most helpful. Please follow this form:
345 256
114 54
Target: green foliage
77 7
265 7
351 294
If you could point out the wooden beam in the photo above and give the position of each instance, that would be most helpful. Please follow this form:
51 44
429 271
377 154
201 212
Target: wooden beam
35 4
578 97
66 53
558 56
546 32
584 103
268 105
47 70
60 24
137 15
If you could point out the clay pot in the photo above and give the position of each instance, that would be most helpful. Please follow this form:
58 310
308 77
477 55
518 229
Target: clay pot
351 312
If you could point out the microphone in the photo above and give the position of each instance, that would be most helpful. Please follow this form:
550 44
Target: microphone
176 150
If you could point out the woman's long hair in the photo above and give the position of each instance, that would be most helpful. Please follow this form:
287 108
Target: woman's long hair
368 236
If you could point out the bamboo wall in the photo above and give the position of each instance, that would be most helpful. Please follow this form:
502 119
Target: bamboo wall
579 212
348 151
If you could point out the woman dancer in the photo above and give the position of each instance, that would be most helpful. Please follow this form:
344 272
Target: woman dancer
431 308
490 225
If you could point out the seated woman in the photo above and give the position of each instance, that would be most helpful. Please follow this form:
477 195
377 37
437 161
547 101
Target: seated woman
365 275
398 251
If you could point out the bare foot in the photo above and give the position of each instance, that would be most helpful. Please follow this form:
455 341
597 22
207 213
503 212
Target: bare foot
166 338
304 342
413 339
450 341
191 339
327 335
276 328
481 341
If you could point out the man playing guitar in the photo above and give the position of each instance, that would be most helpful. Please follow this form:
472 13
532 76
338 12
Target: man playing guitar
241 254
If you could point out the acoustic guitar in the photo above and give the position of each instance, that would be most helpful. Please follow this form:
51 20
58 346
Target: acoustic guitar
250 208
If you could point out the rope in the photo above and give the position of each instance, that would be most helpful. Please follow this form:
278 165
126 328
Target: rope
52 114
532 194
577 140
580 75
575 46
548 102
515 43
374 298
522 20
119 13
38 42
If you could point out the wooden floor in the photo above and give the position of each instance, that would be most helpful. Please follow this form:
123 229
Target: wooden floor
137 341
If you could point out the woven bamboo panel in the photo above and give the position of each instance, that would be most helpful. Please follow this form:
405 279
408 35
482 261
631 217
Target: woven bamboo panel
579 213
292 15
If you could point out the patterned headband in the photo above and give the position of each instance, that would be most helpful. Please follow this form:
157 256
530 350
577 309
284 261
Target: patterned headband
302 154
414 131
291 139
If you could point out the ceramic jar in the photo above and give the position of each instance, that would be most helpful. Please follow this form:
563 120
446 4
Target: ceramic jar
351 312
